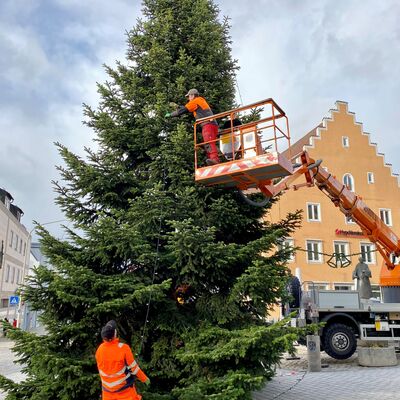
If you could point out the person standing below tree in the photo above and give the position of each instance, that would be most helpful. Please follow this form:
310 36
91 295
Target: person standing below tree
117 368
209 129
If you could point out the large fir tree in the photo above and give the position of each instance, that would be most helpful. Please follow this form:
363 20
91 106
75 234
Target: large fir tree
197 264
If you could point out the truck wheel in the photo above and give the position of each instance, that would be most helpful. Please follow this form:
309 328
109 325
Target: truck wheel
339 341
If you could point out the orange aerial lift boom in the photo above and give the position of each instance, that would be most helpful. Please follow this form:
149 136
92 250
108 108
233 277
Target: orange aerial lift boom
385 240
250 164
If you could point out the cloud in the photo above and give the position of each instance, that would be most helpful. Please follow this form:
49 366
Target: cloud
52 57
308 54
23 60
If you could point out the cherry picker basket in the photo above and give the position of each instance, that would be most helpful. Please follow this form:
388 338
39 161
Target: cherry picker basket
251 152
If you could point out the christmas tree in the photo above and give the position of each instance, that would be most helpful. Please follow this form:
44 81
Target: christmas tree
188 272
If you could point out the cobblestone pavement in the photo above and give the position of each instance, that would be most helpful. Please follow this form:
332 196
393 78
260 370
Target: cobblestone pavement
7 366
339 380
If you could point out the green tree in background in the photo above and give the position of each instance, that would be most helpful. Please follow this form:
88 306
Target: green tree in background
198 264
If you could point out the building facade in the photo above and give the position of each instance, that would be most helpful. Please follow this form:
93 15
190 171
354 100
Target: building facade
347 153
14 251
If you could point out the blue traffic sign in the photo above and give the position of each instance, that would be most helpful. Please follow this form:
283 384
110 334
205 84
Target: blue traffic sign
14 300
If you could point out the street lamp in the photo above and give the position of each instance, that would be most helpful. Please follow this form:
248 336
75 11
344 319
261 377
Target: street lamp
26 264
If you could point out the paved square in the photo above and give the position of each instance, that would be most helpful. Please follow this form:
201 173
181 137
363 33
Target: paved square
341 380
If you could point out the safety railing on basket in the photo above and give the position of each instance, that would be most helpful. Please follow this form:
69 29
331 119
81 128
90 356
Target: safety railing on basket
246 132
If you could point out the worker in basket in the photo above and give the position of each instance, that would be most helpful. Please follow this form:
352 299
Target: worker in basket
117 368
209 129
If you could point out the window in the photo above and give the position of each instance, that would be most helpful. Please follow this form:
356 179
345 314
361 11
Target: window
386 216
314 248
17 276
395 260
11 238
341 248
349 220
348 181
343 286
20 246
368 252
16 243
287 244
345 141
7 202
7 273
370 177
318 286
313 212
24 248
13 275
376 291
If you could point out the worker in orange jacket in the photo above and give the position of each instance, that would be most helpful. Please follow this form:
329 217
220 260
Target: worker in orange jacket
117 368
209 129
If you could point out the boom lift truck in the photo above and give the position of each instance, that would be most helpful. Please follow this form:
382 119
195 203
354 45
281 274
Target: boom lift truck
253 161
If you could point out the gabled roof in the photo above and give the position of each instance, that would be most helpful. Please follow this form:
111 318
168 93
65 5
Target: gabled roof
307 140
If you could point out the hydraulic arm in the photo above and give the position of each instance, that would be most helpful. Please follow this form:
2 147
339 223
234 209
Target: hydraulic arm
386 241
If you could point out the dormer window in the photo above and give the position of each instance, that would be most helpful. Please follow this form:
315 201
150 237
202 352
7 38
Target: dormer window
16 211
6 198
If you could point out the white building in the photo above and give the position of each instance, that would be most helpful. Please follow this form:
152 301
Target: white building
14 252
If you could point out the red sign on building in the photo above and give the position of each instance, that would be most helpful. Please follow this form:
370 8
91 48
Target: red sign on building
341 232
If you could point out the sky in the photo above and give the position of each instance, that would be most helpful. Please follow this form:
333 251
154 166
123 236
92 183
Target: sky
305 54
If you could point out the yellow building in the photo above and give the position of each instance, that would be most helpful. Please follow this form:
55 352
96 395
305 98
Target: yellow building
348 153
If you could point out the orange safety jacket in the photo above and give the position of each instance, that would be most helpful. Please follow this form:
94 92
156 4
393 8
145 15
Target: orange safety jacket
118 371
198 106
